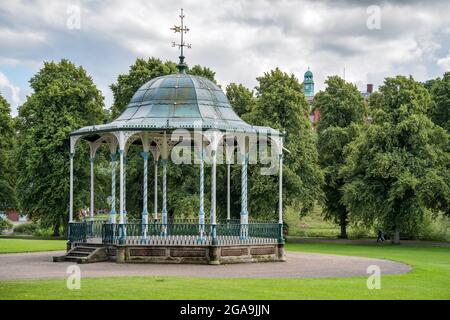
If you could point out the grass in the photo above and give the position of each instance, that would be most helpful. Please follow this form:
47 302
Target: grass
24 245
313 225
430 279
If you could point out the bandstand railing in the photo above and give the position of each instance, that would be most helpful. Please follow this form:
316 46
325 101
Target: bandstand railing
177 232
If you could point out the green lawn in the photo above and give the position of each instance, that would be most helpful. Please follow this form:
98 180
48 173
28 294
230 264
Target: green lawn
25 245
430 279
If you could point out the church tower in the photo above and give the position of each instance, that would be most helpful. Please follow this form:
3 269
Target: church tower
308 85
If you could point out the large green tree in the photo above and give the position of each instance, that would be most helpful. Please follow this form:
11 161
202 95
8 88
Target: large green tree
341 109
282 105
64 98
7 164
440 94
399 168
241 98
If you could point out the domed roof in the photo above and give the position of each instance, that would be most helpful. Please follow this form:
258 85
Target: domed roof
178 101
179 98
308 74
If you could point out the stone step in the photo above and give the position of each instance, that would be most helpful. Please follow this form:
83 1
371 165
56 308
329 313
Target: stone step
85 249
84 254
78 253
74 259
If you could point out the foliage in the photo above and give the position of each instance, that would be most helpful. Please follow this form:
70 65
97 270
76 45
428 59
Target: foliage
32 229
241 98
7 165
341 109
205 72
26 228
282 105
140 72
440 94
5 225
64 99
398 169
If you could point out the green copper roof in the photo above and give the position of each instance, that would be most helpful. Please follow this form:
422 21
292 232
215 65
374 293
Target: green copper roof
177 101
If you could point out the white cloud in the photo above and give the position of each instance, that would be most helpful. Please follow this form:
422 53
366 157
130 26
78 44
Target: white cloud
238 39
10 92
445 62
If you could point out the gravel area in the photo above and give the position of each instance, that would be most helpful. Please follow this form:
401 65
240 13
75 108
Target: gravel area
39 265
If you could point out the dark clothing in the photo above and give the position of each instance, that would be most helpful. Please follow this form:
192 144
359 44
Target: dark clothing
380 236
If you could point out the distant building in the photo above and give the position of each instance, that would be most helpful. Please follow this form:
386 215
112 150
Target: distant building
308 90
13 215
308 85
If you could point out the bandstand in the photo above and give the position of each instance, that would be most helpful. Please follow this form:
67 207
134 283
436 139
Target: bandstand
166 113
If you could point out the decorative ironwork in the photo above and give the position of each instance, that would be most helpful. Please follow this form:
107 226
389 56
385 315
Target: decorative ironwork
182 29
187 234
78 231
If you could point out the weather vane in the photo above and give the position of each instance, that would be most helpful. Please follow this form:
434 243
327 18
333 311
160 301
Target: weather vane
182 29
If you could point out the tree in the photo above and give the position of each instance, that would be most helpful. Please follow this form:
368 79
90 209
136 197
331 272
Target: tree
241 99
64 99
341 109
282 105
205 72
440 94
7 164
140 72
398 169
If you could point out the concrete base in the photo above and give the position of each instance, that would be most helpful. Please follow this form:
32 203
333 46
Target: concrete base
191 254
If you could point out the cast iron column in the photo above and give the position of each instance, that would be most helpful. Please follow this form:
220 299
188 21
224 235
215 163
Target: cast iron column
244 212
145 155
113 188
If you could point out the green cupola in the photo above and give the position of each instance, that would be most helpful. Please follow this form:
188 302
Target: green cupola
308 84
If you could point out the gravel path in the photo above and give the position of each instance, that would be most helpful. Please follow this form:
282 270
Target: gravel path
39 265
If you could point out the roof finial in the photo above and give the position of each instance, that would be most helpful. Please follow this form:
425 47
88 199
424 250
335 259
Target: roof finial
182 29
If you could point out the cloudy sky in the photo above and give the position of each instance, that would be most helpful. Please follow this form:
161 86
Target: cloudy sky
238 39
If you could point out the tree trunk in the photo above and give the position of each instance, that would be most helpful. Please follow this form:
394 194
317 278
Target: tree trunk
396 238
56 228
343 225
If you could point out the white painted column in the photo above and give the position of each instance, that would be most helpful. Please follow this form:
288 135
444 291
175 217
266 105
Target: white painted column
228 192
113 188
71 188
155 201
145 155
121 189
122 227
280 196
280 190
213 198
164 198
201 214
91 207
244 211
125 187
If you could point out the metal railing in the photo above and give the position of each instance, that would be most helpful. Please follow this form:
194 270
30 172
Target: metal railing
177 232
